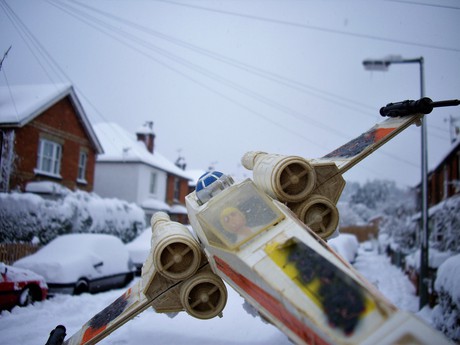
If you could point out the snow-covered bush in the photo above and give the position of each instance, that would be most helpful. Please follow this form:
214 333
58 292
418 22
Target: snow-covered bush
446 220
24 216
446 315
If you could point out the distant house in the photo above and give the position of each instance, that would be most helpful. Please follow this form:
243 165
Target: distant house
45 136
444 179
131 169
443 192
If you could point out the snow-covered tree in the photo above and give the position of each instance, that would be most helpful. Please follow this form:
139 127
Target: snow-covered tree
375 193
382 199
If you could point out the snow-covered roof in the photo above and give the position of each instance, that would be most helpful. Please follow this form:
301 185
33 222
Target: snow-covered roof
121 146
454 147
146 128
155 204
178 209
20 104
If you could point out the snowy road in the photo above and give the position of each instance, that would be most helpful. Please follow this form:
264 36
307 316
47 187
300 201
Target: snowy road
389 279
31 325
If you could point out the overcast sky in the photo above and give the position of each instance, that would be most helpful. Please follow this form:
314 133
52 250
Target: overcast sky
219 78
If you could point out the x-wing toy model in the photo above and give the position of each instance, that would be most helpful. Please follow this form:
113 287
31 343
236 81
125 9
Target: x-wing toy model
266 238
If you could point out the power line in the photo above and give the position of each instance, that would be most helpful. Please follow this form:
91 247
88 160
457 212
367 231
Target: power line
27 36
132 38
425 4
202 84
310 27
209 74
129 44
296 85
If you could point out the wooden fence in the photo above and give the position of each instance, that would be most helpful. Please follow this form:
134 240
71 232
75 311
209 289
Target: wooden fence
10 252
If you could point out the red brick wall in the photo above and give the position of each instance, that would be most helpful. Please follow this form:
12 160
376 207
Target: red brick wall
60 122
183 190
362 232
436 181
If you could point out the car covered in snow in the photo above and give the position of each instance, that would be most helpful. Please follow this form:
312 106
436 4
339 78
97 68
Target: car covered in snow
20 287
346 245
139 249
77 263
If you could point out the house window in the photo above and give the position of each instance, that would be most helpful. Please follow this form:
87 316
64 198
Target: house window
49 157
153 183
82 161
176 188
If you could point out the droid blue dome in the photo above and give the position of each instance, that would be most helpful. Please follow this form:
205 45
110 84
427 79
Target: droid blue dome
207 179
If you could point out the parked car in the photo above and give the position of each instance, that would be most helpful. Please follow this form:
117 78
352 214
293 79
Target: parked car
20 287
346 245
78 263
139 249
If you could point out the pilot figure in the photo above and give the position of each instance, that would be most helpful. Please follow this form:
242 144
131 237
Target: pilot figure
234 221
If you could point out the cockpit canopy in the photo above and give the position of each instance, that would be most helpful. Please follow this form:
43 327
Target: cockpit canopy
235 216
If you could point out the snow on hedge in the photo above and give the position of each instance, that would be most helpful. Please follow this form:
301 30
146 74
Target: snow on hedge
446 315
25 216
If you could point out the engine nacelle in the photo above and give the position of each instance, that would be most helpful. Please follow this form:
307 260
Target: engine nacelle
286 178
176 253
204 295
319 214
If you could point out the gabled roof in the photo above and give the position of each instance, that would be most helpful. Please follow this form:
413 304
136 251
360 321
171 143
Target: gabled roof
454 148
121 146
20 104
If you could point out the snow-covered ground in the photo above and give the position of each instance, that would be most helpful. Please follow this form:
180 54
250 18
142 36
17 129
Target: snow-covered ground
31 325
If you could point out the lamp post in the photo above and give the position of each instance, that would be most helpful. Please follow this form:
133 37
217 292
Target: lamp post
382 65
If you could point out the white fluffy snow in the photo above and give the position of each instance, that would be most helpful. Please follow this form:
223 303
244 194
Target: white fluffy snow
31 325
448 278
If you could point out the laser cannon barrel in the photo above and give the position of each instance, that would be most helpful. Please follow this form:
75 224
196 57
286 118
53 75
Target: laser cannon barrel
409 107
286 178
176 253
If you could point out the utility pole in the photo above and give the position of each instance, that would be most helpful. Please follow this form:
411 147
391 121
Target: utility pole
382 65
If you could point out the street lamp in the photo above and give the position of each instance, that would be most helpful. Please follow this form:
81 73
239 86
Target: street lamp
382 65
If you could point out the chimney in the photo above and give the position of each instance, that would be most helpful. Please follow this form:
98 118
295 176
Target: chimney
146 135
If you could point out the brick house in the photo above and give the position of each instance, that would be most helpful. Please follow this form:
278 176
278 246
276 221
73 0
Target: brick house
45 136
444 179
131 169
443 189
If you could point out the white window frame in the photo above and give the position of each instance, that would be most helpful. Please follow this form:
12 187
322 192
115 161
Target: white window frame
176 193
49 163
82 163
